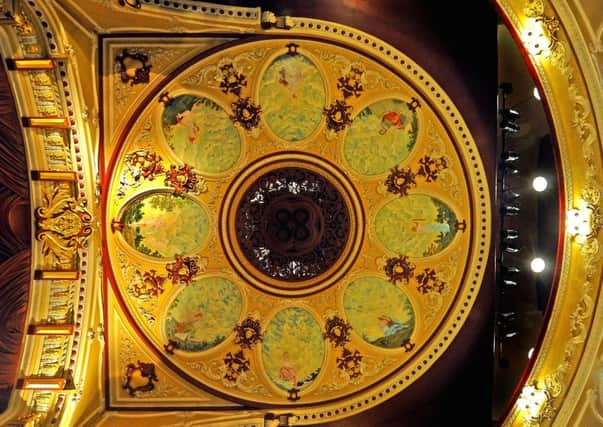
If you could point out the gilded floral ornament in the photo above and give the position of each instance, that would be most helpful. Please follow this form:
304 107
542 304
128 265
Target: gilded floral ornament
23 24
249 332
592 197
183 180
399 181
552 26
351 83
150 284
232 80
63 225
338 115
399 269
430 168
236 364
140 165
246 113
428 281
337 331
139 377
350 362
184 269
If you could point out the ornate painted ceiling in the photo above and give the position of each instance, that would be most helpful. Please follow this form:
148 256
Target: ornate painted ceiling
245 219
289 222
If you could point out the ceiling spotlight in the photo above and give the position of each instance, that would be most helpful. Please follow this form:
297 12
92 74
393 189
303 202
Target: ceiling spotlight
510 234
507 315
536 93
539 184
507 283
509 157
537 265
510 249
510 210
509 334
509 120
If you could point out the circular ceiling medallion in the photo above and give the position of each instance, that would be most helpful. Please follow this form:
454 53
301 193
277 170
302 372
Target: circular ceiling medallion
291 222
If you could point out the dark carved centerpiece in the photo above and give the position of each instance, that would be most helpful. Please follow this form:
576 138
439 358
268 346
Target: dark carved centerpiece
292 224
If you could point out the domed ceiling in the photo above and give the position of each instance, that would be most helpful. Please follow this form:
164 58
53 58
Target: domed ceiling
290 222
248 218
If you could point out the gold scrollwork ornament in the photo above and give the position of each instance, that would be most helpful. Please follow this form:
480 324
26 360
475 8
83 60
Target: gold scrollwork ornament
63 226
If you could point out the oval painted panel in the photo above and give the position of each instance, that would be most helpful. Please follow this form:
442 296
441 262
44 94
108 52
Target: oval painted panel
379 312
381 136
201 134
293 349
163 225
415 225
203 314
292 96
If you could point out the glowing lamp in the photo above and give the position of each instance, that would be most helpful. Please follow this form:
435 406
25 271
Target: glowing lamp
539 184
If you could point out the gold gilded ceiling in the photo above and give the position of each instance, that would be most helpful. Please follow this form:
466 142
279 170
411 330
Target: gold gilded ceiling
101 343
289 221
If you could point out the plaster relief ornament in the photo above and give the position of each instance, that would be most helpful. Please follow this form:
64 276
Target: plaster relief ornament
63 226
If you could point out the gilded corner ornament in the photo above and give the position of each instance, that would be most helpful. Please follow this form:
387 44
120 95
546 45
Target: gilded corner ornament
139 377
129 73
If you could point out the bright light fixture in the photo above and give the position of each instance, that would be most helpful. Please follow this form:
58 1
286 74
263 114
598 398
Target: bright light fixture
578 222
537 265
536 93
539 184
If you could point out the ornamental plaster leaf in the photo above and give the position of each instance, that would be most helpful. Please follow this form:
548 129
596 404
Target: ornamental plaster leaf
63 226
337 380
248 382
371 366
212 369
